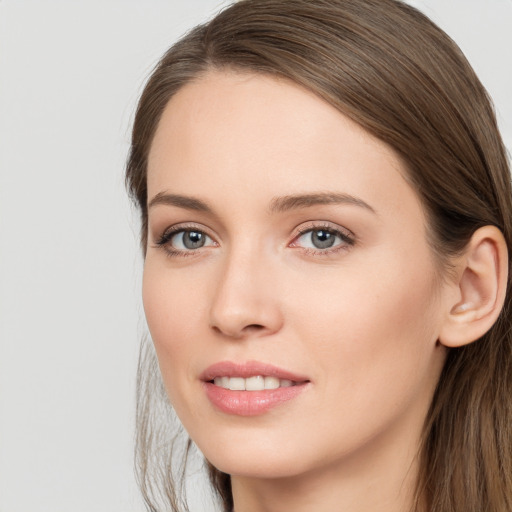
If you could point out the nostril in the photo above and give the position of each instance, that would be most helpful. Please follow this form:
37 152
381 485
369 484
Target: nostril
253 327
239 333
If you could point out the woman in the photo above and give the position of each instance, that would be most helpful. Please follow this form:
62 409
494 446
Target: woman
326 223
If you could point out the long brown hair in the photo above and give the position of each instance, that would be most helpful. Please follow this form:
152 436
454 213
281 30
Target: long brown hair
390 69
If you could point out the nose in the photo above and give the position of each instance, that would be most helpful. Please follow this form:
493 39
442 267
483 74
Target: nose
245 301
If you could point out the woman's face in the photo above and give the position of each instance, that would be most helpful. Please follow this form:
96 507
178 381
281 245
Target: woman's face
285 245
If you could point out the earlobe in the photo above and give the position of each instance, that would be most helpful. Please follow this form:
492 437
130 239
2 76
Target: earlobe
482 272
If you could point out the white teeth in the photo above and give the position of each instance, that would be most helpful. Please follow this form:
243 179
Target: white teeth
271 382
222 382
237 384
255 383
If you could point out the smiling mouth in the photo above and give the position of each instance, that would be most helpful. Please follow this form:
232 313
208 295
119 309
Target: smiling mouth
254 383
251 388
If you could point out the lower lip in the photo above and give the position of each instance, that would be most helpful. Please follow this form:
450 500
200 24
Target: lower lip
250 403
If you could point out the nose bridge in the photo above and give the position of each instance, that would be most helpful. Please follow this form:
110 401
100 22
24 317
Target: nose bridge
243 302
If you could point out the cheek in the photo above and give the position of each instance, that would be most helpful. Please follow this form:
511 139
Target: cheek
172 302
371 339
172 310
372 322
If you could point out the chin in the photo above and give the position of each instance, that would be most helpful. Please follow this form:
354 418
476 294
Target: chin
257 458
257 467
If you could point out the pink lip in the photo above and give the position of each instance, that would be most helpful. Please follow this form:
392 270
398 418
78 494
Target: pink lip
250 403
248 369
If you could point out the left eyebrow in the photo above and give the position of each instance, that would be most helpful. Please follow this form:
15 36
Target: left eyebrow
185 202
294 202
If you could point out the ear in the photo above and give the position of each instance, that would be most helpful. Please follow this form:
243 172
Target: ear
479 290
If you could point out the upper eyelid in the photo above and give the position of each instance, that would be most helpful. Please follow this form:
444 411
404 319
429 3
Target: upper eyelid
185 226
315 225
301 228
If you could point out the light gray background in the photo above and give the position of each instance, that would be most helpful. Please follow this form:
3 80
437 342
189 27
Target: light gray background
70 314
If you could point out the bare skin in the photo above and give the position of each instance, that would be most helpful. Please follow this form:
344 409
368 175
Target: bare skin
283 233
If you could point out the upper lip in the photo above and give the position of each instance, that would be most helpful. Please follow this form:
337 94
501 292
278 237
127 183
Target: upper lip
248 369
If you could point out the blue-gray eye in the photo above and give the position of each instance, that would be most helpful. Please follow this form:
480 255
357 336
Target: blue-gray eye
321 239
190 240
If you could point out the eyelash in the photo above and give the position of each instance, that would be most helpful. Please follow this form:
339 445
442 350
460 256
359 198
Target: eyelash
164 240
347 239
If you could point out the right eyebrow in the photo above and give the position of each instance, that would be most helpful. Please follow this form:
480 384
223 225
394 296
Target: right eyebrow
292 202
186 202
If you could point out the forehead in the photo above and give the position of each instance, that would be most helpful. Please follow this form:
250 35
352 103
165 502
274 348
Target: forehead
260 137
210 111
